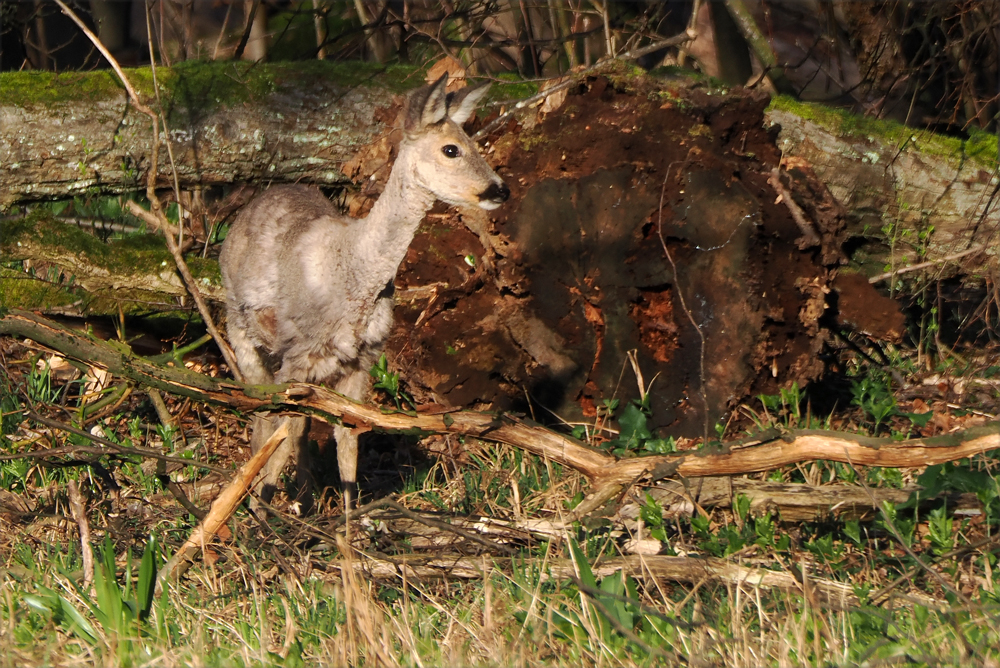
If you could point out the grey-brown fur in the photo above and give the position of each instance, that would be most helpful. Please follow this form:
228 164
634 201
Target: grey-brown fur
309 290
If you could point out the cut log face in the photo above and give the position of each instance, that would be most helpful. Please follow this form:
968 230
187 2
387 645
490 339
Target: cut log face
574 274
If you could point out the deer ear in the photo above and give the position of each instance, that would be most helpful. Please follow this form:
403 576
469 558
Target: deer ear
462 103
427 105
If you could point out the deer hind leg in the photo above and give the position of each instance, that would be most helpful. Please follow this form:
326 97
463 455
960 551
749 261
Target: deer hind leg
354 386
296 443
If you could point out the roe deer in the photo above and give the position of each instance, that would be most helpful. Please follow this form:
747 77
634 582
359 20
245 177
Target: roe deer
309 290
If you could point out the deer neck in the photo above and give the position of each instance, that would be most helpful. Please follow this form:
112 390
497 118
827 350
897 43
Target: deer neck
392 222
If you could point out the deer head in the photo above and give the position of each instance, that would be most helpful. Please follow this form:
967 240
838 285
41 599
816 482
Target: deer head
437 154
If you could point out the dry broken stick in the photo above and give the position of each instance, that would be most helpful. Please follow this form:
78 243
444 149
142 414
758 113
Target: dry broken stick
679 569
607 473
77 507
809 236
223 506
109 447
925 265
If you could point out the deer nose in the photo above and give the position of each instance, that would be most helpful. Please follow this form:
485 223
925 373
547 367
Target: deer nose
497 193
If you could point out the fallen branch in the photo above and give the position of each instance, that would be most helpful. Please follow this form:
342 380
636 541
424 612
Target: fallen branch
809 236
658 567
223 506
607 473
108 449
795 502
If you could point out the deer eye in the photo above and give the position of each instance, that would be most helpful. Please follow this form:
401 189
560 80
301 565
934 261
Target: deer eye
451 151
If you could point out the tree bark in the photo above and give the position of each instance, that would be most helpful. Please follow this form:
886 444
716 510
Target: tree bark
76 133
913 195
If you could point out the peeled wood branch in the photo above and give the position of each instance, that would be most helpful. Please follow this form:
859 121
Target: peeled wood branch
223 506
681 569
607 473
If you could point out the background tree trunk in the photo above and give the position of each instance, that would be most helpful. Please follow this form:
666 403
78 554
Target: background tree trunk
912 196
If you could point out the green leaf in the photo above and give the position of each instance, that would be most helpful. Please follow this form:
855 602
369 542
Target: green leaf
852 529
586 574
61 611
615 585
76 621
147 577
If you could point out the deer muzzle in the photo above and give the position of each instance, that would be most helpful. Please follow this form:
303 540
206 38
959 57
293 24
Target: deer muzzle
494 196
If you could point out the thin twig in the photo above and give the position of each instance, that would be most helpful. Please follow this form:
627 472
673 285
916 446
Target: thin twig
168 421
107 54
77 507
246 31
120 449
680 295
925 265
445 526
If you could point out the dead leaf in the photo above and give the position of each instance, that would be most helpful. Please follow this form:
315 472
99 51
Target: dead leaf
97 380
59 368
555 100
455 70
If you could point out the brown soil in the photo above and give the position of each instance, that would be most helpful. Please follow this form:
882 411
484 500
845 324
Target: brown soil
641 218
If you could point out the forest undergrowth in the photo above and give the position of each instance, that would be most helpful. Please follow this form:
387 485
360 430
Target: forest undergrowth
421 580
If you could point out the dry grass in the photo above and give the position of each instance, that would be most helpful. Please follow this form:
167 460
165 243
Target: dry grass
303 593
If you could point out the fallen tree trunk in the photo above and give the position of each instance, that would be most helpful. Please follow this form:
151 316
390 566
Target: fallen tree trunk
71 134
916 196
608 474
76 133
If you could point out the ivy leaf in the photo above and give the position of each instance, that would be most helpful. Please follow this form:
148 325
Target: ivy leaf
633 426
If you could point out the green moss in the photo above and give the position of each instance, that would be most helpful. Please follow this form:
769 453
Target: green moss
980 147
19 290
216 82
32 88
135 255
509 86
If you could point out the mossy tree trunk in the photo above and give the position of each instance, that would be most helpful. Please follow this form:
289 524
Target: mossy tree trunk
911 196
76 133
